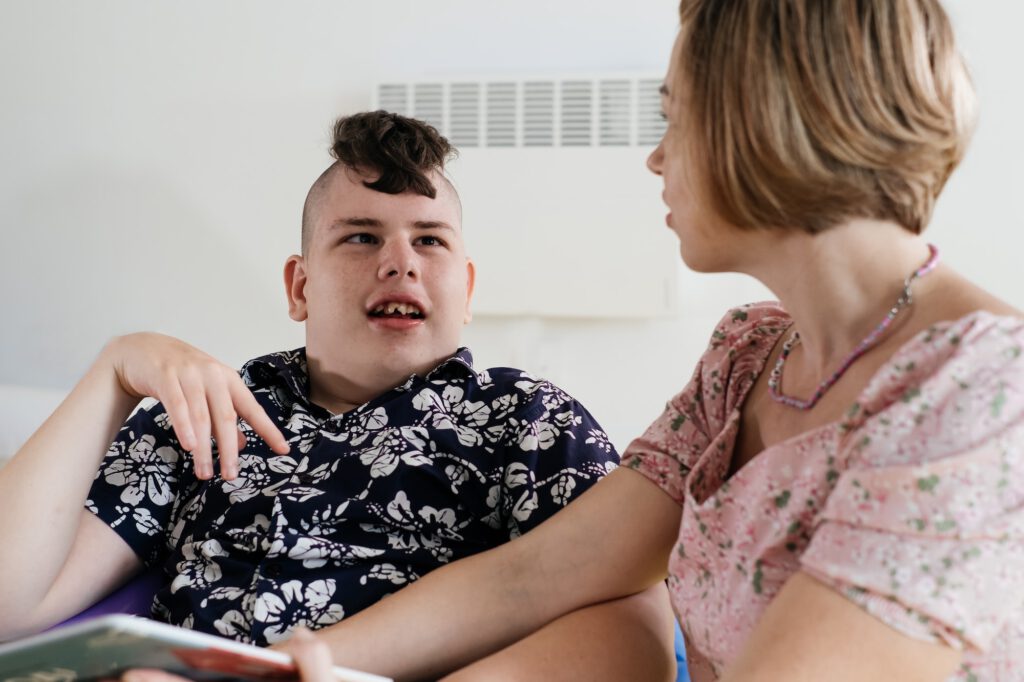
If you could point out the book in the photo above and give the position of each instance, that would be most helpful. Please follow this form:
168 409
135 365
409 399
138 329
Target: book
107 646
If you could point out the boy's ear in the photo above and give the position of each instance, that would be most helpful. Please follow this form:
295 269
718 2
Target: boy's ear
295 287
470 281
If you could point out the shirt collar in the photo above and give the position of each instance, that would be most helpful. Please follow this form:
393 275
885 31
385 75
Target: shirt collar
290 369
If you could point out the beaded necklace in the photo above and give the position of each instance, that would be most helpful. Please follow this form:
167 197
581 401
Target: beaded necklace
905 299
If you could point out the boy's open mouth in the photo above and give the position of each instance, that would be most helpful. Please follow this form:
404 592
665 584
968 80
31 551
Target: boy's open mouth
395 310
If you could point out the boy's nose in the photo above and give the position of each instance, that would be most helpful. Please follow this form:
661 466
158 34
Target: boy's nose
398 261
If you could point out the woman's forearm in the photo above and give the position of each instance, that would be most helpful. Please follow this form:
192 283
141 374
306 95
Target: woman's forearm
632 638
612 542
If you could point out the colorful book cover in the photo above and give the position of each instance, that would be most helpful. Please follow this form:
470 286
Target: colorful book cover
107 646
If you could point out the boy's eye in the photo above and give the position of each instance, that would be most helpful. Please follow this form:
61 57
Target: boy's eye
361 238
429 241
664 116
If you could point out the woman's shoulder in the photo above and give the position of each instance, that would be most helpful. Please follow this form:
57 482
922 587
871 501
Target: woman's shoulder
954 385
975 347
736 354
750 329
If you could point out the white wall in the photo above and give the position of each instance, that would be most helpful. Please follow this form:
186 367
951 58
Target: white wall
155 157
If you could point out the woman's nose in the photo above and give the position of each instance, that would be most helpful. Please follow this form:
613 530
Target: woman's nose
655 159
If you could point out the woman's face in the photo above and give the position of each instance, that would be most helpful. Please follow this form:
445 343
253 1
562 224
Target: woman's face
707 243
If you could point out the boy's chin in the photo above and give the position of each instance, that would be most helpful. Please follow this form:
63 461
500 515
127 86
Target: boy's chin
398 362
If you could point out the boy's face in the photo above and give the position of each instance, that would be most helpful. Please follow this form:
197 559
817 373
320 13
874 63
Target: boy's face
385 286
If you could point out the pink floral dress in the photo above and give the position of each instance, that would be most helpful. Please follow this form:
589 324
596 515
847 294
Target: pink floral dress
911 506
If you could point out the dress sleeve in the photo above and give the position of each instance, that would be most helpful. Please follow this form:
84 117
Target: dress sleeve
926 530
670 447
136 485
554 452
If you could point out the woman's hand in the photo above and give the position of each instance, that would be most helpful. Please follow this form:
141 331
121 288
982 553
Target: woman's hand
203 397
311 656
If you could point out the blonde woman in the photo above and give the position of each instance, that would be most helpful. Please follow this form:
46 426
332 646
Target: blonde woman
838 494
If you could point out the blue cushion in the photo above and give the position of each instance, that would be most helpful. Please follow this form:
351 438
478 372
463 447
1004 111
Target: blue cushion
682 675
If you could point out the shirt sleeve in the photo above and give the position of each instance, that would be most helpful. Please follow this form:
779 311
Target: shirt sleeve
135 488
555 451
669 448
926 532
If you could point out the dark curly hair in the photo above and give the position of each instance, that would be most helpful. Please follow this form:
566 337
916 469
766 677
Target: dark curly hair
398 150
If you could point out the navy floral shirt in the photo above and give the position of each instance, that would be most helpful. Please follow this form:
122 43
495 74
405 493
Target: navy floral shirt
366 502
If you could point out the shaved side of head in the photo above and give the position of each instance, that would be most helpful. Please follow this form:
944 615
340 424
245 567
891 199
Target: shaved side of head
394 154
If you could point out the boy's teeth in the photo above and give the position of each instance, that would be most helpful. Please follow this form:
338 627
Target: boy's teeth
392 308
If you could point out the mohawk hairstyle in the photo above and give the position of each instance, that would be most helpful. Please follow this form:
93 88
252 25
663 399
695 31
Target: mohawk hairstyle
401 150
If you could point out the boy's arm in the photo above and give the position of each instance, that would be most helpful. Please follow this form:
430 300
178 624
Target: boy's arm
632 638
51 547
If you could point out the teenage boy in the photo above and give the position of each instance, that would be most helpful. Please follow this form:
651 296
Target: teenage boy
318 480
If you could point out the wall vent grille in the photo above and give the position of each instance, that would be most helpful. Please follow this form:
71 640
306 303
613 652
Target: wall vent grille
650 124
616 103
512 112
464 115
502 99
538 114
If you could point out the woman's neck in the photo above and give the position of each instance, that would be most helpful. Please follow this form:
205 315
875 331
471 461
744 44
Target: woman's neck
839 284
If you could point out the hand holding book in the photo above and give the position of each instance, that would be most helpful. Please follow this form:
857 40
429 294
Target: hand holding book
311 656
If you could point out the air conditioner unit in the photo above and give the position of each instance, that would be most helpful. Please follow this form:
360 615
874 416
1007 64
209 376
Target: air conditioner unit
559 212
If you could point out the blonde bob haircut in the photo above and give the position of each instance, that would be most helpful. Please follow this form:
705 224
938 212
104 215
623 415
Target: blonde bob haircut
809 112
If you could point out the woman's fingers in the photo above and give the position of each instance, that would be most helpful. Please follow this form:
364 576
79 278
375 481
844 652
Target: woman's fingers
149 675
312 657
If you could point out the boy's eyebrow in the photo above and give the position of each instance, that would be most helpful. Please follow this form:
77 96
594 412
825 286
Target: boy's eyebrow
432 225
663 90
357 221
360 221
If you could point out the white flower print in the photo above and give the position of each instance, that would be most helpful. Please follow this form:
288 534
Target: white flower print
361 428
538 436
198 567
144 473
517 475
391 446
232 625
389 573
598 439
294 604
561 491
316 552
252 478
145 522
525 505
